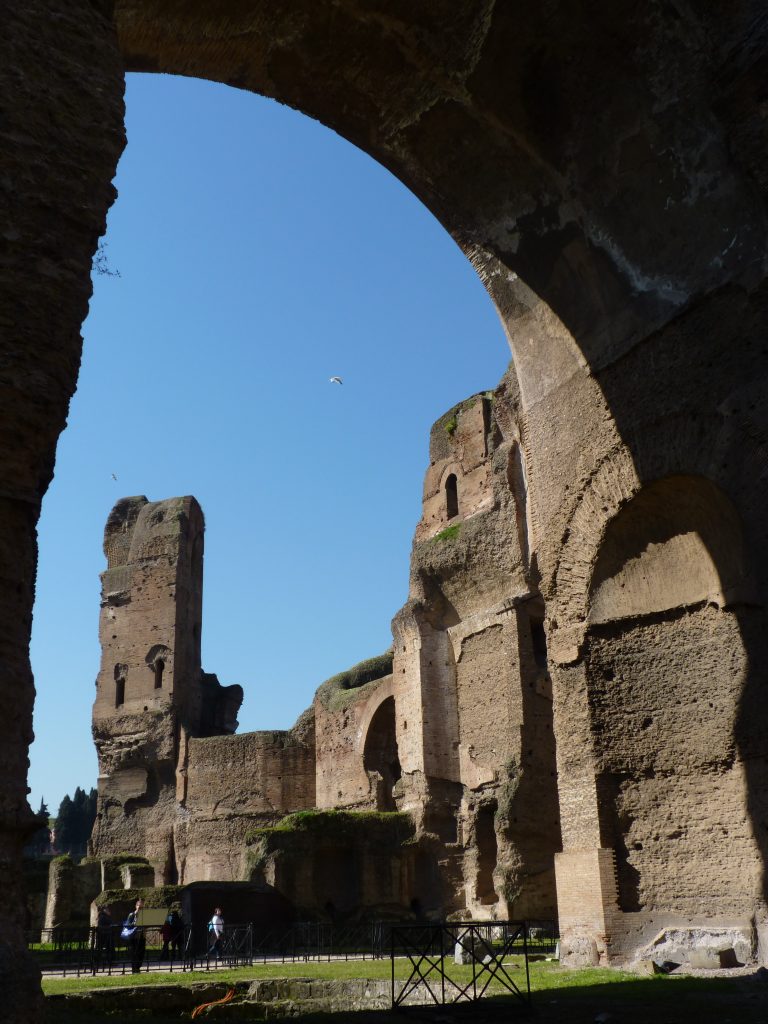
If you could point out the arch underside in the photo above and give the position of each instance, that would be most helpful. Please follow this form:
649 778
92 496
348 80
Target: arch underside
606 175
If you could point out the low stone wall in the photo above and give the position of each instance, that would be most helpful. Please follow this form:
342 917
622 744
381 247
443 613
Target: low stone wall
71 888
254 1000
338 862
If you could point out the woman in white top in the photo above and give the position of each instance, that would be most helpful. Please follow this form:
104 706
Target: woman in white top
216 928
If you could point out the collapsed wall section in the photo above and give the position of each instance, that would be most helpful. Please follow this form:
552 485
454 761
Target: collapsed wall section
470 677
151 694
358 763
235 783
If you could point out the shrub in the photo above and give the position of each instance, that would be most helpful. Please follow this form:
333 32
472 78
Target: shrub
449 533
331 692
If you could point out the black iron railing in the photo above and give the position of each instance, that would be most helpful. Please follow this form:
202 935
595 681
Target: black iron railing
466 960
110 950
105 950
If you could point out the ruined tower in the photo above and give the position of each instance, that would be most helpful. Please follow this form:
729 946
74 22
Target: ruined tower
151 694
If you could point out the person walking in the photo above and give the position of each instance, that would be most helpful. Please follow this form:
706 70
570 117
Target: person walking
105 938
176 922
136 940
216 928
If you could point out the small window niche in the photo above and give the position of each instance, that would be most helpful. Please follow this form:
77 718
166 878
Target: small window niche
119 691
451 496
539 642
159 669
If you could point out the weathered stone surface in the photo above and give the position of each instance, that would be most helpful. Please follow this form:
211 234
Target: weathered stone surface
605 172
476 768
271 998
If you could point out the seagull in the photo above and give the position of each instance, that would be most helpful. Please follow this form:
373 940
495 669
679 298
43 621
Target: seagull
114 477
335 380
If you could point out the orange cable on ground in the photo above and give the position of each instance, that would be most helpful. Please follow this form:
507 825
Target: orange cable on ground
216 1002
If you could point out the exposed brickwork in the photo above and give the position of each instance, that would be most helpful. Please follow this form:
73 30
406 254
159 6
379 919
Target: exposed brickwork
609 187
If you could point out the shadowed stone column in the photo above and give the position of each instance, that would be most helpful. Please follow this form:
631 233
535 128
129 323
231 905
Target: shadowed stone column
61 134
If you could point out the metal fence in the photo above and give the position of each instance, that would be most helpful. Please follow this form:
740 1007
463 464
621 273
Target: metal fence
313 940
438 956
104 950
108 950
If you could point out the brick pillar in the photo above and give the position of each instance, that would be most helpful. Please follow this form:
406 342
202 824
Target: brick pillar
586 904
60 138
585 872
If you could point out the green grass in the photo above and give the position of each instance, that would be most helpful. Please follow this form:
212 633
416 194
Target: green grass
449 533
302 969
559 994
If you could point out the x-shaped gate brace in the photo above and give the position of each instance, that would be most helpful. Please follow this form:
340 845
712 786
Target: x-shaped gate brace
425 948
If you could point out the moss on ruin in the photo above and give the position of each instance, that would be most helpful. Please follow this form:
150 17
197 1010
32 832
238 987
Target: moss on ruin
159 896
347 686
117 860
391 827
449 533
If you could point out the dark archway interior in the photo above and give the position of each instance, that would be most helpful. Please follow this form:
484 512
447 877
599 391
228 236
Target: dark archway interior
451 496
487 854
380 755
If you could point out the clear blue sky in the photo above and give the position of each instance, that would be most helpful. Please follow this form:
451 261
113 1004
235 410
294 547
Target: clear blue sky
259 254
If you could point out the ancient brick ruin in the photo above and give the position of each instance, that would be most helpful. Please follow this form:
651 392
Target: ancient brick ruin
454 727
604 170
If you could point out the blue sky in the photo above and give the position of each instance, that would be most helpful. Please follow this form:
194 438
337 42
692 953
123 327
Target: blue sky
259 254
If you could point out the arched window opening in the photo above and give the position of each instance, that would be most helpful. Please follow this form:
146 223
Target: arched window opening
119 692
451 496
159 669
487 854
380 755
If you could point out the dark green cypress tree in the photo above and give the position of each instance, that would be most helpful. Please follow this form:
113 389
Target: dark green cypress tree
74 822
40 840
64 825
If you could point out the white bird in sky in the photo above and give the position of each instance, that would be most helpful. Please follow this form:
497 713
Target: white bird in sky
336 380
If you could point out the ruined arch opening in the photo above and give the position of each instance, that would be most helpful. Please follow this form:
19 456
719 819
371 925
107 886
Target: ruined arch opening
159 677
669 593
451 496
487 854
380 754
119 691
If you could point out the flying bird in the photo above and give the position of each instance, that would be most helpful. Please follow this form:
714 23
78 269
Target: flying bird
114 477
336 380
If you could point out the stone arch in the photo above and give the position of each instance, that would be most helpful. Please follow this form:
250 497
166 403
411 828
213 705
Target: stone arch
380 753
426 81
581 189
678 446
677 543
663 699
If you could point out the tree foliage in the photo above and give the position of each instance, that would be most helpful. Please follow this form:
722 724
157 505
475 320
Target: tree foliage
74 822
39 842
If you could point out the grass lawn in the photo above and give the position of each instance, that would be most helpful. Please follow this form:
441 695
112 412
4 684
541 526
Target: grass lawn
558 994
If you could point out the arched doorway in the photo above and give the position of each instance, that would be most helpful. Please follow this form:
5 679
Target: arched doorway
380 755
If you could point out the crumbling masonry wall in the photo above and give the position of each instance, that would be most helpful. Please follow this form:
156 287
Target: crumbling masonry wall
610 190
169 789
